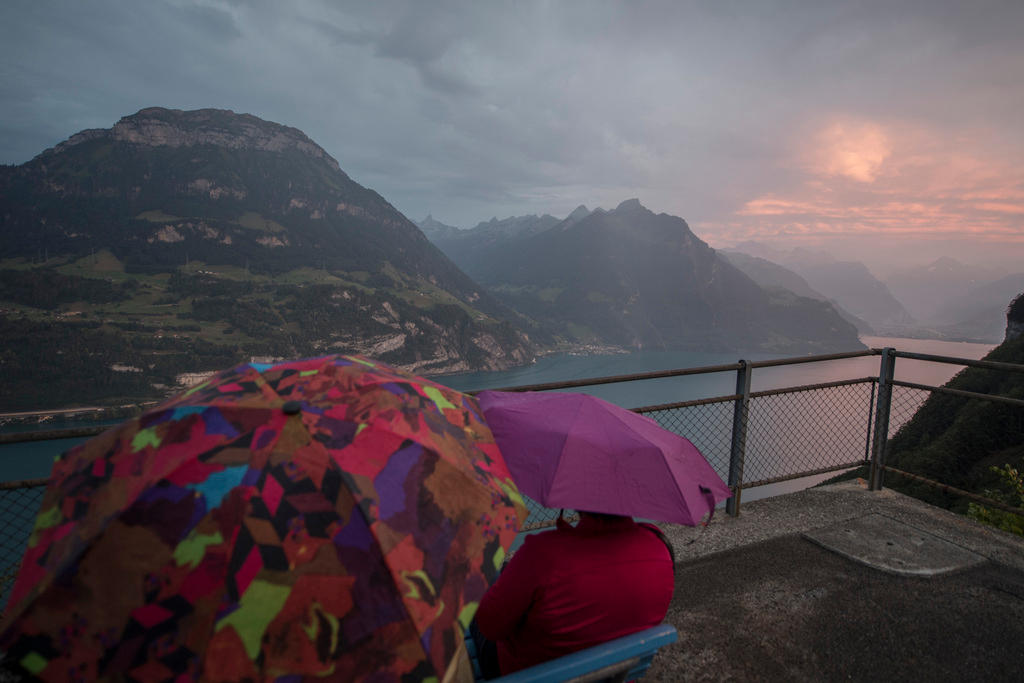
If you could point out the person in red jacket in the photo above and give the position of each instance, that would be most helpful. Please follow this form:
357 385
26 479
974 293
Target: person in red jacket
574 587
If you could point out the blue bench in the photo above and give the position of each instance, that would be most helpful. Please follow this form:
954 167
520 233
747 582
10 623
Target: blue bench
622 659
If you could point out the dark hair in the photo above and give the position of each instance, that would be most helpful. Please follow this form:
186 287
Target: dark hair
604 516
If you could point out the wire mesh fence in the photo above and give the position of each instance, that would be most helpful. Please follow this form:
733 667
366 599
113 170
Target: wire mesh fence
959 449
808 429
541 517
708 425
904 405
19 504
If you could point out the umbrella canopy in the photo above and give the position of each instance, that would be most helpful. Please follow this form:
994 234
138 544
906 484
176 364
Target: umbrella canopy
329 518
570 450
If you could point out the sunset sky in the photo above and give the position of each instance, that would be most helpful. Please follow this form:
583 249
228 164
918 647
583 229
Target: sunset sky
888 132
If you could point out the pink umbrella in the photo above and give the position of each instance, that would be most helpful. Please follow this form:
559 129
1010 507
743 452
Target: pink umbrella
569 450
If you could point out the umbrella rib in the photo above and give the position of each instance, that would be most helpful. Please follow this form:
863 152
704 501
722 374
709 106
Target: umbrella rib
663 462
561 451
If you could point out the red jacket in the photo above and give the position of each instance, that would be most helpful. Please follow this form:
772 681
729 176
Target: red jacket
574 587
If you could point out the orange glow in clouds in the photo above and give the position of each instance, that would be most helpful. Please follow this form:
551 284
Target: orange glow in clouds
853 150
858 177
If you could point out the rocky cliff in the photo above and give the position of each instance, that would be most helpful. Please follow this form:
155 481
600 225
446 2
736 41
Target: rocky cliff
158 127
1015 318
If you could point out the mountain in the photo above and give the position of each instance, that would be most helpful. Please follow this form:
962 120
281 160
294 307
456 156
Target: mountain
467 246
634 279
773 276
477 247
183 241
979 312
957 440
436 230
849 283
768 274
924 290
514 226
577 214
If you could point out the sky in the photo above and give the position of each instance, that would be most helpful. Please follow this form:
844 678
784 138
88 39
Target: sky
890 132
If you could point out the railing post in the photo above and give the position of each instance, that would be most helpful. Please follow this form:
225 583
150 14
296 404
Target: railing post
871 423
737 454
882 406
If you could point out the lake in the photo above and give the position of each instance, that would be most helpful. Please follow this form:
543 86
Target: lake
34 459
563 368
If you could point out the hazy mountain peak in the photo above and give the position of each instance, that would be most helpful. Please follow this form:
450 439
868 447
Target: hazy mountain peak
579 213
945 263
435 230
813 255
630 205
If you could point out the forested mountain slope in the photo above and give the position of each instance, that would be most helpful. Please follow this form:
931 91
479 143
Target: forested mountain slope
183 241
957 440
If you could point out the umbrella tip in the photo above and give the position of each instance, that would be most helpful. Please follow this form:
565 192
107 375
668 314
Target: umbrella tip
291 407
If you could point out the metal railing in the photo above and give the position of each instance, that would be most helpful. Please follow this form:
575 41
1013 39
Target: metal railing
902 400
752 438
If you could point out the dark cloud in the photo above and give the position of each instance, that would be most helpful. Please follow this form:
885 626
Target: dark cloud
209 22
469 110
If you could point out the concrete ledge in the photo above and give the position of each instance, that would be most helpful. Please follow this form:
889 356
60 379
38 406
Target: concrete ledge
892 546
835 504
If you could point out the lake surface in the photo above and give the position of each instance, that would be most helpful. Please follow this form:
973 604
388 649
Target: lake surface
33 460
563 368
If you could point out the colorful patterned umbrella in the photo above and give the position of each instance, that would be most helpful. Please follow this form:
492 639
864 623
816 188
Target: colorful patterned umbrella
327 519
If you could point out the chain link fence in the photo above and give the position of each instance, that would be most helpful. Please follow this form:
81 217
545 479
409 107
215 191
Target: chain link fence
788 434
707 424
959 449
19 504
787 437
905 403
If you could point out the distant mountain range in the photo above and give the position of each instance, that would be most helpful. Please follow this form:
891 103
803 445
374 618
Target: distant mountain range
634 279
464 246
925 290
849 283
958 300
772 276
944 299
186 241
979 311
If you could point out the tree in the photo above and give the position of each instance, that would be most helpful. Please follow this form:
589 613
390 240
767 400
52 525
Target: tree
1007 521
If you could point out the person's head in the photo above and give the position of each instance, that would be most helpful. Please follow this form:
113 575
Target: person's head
601 516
